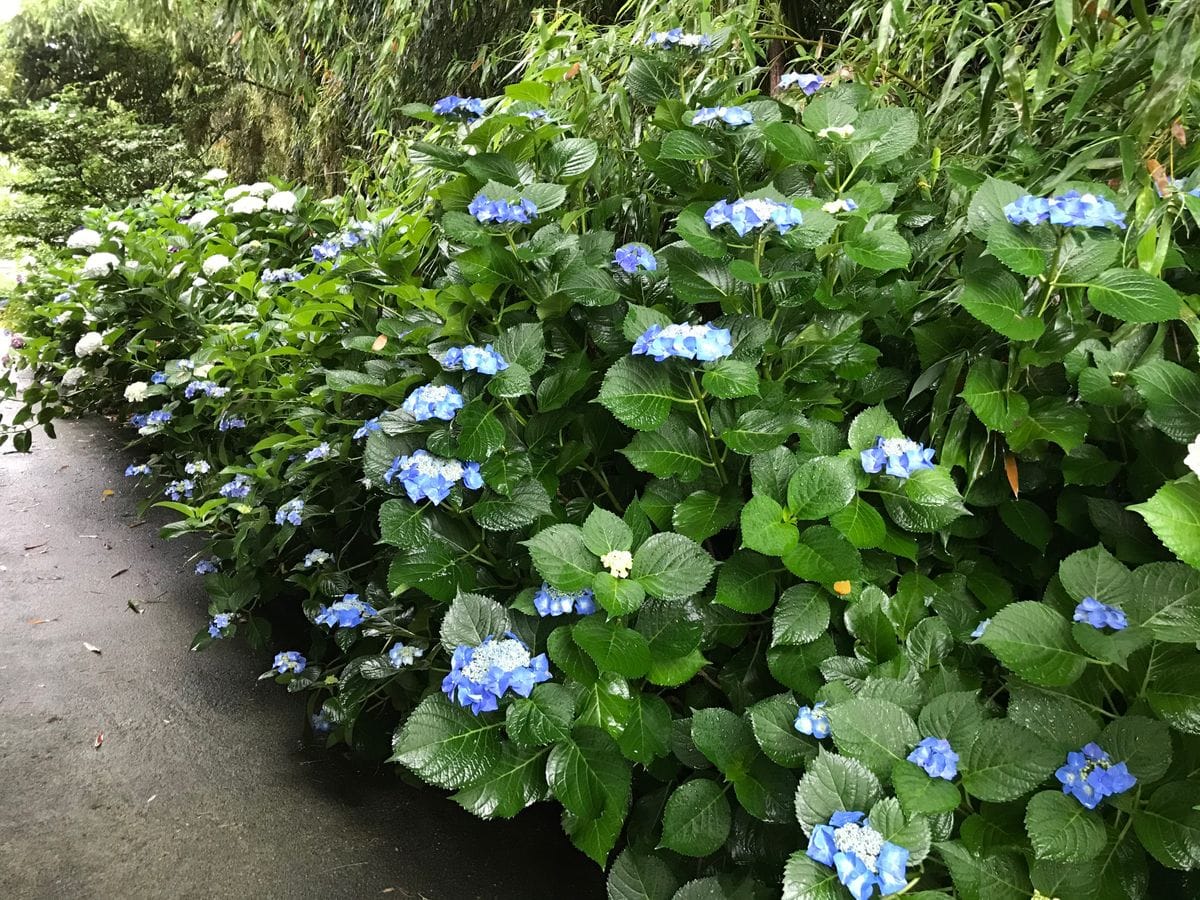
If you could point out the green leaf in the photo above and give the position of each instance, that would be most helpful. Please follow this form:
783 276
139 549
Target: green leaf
1006 761
806 879
562 558
671 566
647 730
692 228
402 524
688 146
651 80
765 527
1035 642
526 501
1024 250
471 619
1061 828
883 135
1133 296
876 732
703 514
871 424
524 345
1169 825
1172 395
1174 694
1051 419
833 783
821 486
725 739
825 111
1142 743
995 875
641 876
791 142
861 523
992 296
604 531
773 723
446 745
546 197
731 378
696 820
587 773
614 647
481 433
1027 521
746 582
801 617
1096 573
697 279
920 794
617 596
881 250
1173 514
518 780
543 718
638 392
571 157
993 404
987 206
823 555
755 431
674 450
1166 601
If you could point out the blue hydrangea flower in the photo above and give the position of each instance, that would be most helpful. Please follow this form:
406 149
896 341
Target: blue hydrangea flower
981 628
480 676
484 360
345 613
316 558
433 401
859 853
216 628
238 489
550 601
139 420
290 512
897 456
207 566
457 107
366 428
1090 775
936 757
140 469
1028 210
808 82
1070 209
813 721
158 417
702 342
318 452
677 39
744 216
208 388
326 250
229 423
179 489
502 212
733 116
198 467
536 115
277 276
631 257
321 723
1100 615
428 477
158 378
401 655
290 661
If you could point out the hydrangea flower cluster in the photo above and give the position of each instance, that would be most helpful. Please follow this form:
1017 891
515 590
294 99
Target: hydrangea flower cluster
428 477
290 512
896 456
238 488
702 342
99 265
501 211
401 655
321 723
207 388
136 391
1070 209
844 132
733 116
158 378
366 428
326 250
221 621
1100 615
180 489
139 469
677 39
936 757
207 566
88 344
745 216
485 360
833 207
316 557
618 562
550 601
631 257
813 721
1090 775
981 628
158 417
433 401
480 676
318 452
457 107
198 467
277 276
345 613
864 860
229 423
808 82
289 662
84 239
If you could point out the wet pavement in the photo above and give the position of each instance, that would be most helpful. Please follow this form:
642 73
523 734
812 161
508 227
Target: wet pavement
202 786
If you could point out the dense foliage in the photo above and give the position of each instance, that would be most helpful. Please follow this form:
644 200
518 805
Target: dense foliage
722 480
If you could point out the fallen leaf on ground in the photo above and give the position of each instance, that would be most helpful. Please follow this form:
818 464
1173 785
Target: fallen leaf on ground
35 546
42 621
133 605
120 572
106 493
91 647
99 741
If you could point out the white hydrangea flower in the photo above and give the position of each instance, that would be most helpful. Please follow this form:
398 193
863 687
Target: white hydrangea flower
214 175
201 219
283 202
63 317
215 264
262 188
202 371
233 193
841 131
247 206
84 239
89 344
1192 460
119 227
175 272
100 264
618 563
136 391
836 206
72 376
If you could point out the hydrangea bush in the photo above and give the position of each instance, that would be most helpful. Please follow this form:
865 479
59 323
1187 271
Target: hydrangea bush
797 510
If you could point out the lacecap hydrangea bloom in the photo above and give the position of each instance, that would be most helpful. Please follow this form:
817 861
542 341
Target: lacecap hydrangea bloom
180 489
733 116
1090 775
485 360
1100 615
345 613
139 469
480 676
676 38
290 662
1070 209
326 250
428 477
501 212
702 342
808 82
744 216
291 512
812 721
550 601
238 488
401 655
936 757
207 566
84 239
207 388
316 557
318 452
366 428
459 107
198 467
433 401
158 417
221 621
896 456
631 257
863 859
